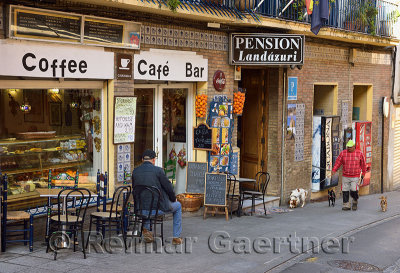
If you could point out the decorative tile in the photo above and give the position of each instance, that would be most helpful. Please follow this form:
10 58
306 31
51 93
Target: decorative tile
176 42
159 40
196 43
197 35
181 42
225 47
159 31
186 43
218 38
191 35
211 37
220 47
176 33
142 29
201 44
153 40
153 31
205 45
186 34
147 39
165 41
191 43
202 36
165 31
142 38
148 30
224 39
181 33
171 42
205 36
170 32
211 45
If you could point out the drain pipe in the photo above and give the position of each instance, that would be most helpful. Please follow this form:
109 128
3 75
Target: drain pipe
283 135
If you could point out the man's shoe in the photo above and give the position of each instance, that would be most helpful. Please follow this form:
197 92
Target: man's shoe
346 206
354 206
177 241
148 236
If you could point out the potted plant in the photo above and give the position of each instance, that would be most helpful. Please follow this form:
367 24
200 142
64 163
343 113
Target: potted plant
361 16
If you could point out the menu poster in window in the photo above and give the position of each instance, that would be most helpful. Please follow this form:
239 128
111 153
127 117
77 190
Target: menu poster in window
215 190
124 119
220 119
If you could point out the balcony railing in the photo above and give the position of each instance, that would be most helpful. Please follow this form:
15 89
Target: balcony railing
375 17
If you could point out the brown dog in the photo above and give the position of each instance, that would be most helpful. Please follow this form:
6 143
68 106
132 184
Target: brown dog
383 203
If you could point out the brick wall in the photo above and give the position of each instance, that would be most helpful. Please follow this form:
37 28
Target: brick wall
328 64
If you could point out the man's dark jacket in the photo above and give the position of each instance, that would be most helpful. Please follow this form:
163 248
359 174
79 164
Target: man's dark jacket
149 175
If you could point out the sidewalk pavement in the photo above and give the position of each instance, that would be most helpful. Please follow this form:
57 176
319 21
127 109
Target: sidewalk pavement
314 220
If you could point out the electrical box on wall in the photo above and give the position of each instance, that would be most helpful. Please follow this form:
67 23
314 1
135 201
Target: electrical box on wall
238 72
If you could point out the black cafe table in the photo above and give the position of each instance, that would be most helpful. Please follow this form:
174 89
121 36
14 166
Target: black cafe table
241 180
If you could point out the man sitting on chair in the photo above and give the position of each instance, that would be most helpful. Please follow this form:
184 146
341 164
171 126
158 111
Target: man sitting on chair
148 174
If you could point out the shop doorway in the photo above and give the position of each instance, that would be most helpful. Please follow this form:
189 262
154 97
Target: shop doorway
164 123
252 127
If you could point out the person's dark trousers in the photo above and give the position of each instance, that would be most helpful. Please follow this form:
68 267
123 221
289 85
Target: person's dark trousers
346 196
354 195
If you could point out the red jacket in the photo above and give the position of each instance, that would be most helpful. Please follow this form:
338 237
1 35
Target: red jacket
353 163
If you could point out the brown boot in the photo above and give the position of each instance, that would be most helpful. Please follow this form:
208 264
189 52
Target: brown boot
346 206
354 206
147 236
177 241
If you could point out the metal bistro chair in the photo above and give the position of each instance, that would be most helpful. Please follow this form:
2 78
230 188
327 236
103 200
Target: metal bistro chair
67 222
260 188
72 183
150 211
21 220
106 220
232 197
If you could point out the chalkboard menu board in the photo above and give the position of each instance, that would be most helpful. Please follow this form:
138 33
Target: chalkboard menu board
99 31
124 119
195 177
47 25
202 135
215 191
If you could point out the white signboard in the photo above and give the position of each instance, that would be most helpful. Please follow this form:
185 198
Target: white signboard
170 65
124 119
33 59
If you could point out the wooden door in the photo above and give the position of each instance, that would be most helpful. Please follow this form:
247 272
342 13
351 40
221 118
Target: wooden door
254 123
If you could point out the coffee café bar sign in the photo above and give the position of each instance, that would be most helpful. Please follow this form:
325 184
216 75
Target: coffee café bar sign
266 49
42 60
170 65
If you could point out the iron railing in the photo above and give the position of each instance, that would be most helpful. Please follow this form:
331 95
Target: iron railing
375 17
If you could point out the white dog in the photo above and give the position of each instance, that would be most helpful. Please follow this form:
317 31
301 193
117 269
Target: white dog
297 196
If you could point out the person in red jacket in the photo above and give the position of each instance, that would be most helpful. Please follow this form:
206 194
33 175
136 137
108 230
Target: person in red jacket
353 162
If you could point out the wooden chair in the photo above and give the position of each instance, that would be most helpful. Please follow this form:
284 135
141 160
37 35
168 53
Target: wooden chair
149 212
262 180
107 220
21 221
67 224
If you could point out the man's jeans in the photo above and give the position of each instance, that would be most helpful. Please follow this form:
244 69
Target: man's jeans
177 214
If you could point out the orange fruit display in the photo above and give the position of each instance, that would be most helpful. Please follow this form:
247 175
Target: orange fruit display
238 102
201 106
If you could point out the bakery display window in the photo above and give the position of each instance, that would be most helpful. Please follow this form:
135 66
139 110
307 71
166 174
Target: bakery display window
49 129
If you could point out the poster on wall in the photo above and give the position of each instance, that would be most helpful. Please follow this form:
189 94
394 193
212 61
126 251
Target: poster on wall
292 90
291 121
220 120
299 138
124 119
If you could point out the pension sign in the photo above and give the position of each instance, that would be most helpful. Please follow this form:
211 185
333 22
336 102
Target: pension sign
266 49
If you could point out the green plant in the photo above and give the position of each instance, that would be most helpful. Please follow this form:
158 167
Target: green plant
298 7
368 14
173 4
361 14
